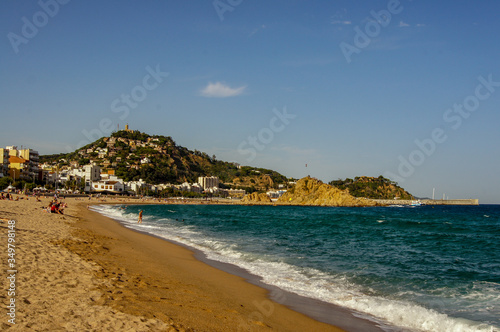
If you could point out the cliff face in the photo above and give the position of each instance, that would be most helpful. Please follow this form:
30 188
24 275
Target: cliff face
309 191
256 198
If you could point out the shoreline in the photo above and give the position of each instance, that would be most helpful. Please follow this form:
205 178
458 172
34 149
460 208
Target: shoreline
161 264
333 315
85 271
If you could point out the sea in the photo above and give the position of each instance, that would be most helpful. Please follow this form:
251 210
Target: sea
423 268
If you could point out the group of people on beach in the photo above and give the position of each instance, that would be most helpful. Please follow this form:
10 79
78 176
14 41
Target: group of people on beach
56 206
7 196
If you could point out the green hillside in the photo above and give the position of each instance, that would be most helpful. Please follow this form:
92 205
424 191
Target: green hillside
371 187
158 159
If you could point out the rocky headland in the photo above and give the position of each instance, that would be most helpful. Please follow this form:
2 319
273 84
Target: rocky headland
311 191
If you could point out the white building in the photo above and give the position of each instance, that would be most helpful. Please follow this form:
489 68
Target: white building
108 186
136 186
62 176
92 172
196 187
109 177
184 187
102 152
77 173
208 182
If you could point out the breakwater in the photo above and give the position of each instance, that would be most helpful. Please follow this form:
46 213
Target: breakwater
451 201
428 201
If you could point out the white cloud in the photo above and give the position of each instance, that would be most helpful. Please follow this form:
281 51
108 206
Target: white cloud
340 22
219 90
403 24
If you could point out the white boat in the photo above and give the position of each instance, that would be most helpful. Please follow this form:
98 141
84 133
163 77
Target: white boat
416 203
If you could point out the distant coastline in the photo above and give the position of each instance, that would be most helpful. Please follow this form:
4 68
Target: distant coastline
226 201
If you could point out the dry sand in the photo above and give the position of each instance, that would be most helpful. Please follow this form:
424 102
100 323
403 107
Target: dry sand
84 272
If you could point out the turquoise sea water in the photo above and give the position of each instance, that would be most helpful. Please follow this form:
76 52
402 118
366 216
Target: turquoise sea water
422 269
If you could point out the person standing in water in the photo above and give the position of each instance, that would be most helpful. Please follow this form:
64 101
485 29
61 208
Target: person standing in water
140 217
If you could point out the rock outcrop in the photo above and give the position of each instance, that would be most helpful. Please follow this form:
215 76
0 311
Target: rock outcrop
256 198
310 191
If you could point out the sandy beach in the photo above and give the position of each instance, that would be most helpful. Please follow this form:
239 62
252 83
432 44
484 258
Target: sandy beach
83 272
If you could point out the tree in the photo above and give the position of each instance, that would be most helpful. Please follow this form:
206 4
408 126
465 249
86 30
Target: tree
30 186
19 184
5 182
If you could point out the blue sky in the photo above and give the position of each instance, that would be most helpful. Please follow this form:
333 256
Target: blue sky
406 89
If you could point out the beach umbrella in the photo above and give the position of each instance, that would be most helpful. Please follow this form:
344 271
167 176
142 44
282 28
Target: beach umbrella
9 188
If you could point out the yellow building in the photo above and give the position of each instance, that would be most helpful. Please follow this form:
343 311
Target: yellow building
19 163
18 167
30 155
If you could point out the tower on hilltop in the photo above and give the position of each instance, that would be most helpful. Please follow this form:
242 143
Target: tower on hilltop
128 130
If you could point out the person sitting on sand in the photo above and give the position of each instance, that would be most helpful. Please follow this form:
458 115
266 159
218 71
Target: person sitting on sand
59 208
140 217
52 207
47 209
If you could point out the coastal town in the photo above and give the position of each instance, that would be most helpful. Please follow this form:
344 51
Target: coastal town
23 164
136 164
105 167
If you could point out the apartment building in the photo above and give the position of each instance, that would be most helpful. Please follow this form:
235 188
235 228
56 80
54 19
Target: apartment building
208 182
22 163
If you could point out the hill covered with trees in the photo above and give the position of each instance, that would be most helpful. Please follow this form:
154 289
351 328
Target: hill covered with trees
371 187
156 159
133 155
